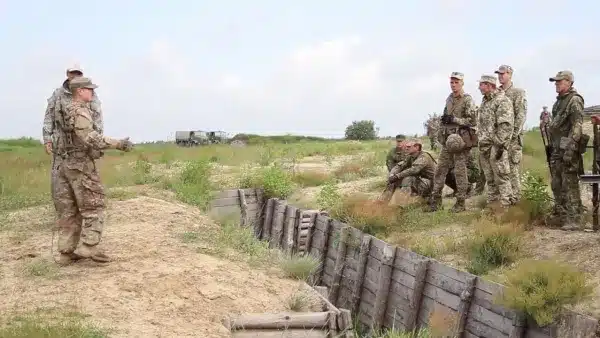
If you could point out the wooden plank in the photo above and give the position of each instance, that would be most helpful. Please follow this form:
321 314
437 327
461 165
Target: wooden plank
345 324
339 265
293 333
486 301
278 221
482 330
383 289
225 202
287 320
309 234
322 222
244 207
403 278
417 295
232 193
266 230
450 272
463 308
490 318
441 296
361 270
289 228
323 249
447 284
377 247
227 211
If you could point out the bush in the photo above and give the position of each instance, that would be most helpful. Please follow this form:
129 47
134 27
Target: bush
540 289
361 130
329 196
372 217
493 246
194 185
299 267
276 182
536 199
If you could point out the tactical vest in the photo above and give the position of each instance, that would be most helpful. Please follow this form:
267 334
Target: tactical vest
556 127
69 145
455 106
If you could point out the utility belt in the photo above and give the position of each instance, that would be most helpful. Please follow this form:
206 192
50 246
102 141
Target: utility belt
80 154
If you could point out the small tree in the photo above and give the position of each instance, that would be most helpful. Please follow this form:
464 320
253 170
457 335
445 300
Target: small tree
361 130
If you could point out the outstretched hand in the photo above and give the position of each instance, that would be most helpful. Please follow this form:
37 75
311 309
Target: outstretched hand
125 144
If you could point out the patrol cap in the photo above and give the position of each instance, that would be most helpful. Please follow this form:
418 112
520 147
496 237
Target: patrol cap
82 82
413 141
457 75
563 75
75 68
488 79
504 69
400 137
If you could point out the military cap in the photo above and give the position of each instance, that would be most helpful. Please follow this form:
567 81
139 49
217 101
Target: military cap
504 69
457 75
563 75
82 82
414 141
75 68
400 137
488 79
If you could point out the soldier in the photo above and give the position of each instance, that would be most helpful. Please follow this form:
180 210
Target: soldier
544 116
432 126
79 194
58 101
565 132
396 154
518 98
457 122
496 119
416 172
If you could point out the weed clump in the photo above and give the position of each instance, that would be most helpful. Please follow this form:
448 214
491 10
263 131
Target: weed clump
371 216
536 202
541 288
329 197
37 325
194 186
311 178
299 266
493 246
274 180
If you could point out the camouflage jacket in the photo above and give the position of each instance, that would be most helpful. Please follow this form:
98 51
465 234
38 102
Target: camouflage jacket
421 164
567 118
518 97
394 156
81 138
59 100
462 107
496 120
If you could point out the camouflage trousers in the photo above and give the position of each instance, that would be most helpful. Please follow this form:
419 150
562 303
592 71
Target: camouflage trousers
416 185
80 201
53 178
565 187
515 155
446 162
432 142
497 174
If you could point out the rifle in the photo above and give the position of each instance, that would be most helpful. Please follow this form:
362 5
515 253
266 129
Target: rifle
547 146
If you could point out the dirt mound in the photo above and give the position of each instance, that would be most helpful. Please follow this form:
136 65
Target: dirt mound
157 286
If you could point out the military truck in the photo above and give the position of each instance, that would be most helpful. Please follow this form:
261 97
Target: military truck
199 137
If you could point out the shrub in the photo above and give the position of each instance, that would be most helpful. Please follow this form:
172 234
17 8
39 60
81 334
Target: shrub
276 182
540 289
299 266
329 196
194 185
536 199
493 246
372 217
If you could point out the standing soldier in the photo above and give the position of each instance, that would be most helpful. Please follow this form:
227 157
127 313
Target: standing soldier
496 120
456 137
432 125
396 154
57 103
79 194
544 116
566 135
518 98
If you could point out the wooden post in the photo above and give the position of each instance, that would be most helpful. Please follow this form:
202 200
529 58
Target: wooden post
383 289
266 229
345 323
417 296
365 246
463 307
244 207
296 240
277 224
260 213
290 224
340 261
519 326
323 251
309 232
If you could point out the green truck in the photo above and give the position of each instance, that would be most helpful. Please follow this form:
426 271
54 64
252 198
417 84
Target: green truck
199 137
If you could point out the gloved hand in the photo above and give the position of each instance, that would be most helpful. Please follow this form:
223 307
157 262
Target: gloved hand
499 153
393 179
125 145
447 119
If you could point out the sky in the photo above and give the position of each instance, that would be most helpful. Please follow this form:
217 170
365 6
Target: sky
279 67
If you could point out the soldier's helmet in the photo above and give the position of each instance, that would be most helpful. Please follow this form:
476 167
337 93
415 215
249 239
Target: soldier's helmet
455 143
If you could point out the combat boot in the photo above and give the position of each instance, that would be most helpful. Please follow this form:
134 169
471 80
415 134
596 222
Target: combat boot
68 258
435 204
459 206
92 252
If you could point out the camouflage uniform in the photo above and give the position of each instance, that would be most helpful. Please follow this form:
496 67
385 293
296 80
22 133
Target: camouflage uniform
79 194
518 98
394 157
496 119
462 109
416 173
565 131
432 126
57 103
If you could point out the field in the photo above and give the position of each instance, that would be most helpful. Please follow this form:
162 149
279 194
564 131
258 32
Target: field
177 271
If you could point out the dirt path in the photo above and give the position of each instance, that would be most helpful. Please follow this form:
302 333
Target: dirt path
157 287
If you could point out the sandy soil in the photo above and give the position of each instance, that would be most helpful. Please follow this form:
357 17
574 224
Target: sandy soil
156 287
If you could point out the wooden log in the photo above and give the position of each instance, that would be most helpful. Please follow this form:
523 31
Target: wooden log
309 232
519 326
363 256
244 207
260 214
345 324
463 308
277 225
416 298
291 320
333 321
323 251
290 222
339 265
383 287
292 333
266 230
296 234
